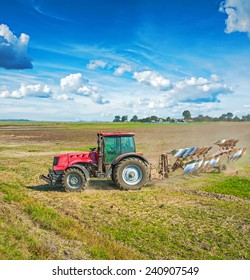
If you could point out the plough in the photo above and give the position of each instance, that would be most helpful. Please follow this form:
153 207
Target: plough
197 159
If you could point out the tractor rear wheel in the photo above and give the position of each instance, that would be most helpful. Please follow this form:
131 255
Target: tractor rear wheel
73 180
131 174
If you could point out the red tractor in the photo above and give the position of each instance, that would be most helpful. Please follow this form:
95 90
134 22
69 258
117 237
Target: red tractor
115 157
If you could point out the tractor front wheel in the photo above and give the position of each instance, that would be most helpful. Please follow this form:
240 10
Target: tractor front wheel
74 180
131 174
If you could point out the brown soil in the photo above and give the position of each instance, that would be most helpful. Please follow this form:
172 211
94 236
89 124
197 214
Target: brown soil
163 138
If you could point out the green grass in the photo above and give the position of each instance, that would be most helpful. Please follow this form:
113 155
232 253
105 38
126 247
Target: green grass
154 223
48 219
235 186
3 168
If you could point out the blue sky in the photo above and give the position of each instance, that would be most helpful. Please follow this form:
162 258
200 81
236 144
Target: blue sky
94 59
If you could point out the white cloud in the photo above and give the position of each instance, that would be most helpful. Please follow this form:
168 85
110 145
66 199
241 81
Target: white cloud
119 68
63 97
246 106
94 64
93 93
238 13
163 101
87 90
122 69
5 93
193 90
152 78
98 98
76 84
38 90
13 50
187 90
199 89
71 83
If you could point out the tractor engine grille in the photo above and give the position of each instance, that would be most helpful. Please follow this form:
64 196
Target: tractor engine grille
56 160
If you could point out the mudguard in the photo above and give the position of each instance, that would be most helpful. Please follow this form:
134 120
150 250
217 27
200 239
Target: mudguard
82 168
123 156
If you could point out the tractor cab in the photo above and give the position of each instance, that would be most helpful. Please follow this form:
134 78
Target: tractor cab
112 145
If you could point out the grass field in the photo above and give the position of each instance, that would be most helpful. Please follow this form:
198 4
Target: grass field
184 217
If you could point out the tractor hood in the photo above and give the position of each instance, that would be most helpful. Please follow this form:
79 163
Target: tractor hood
63 161
79 157
78 154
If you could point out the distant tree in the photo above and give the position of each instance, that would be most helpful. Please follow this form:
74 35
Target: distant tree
117 119
200 118
148 119
186 114
154 118
236 119
223 117
134 119
124 118
168 119
229 115
246 118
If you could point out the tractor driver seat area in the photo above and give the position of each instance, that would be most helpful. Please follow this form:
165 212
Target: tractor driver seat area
127 149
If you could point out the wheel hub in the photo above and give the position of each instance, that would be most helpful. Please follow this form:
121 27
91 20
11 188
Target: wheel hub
74 180
132 174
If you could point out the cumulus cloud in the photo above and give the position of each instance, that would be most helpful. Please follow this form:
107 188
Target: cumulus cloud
152 78
87 90
98 98
75 83
199 89
13 50
38 90
238 15
94 64
122 69
72 82
93 93
193 90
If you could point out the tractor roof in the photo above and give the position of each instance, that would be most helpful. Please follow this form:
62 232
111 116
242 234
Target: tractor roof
117 134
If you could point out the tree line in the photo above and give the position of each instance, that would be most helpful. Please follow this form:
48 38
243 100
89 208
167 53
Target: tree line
187 117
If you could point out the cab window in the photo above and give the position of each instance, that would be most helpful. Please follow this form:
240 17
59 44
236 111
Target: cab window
128 144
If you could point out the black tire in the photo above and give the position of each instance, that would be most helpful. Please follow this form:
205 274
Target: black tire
73 180
131 174
112 176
